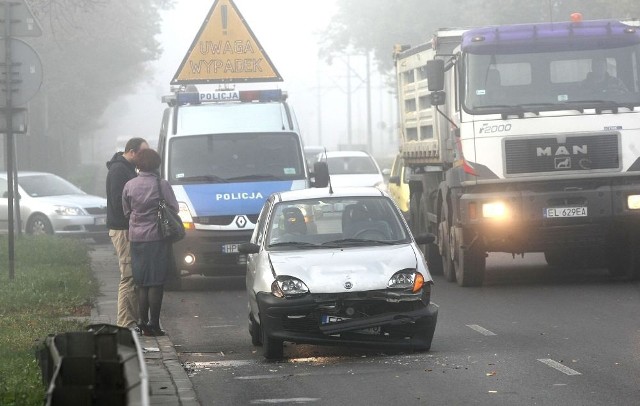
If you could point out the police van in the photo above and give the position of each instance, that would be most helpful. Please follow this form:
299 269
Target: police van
224 153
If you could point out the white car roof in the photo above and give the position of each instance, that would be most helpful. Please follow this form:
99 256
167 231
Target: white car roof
340 154
317 193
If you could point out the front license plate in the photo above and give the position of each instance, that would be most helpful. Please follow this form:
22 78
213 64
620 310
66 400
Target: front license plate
100 221
556 212
326 319
230 248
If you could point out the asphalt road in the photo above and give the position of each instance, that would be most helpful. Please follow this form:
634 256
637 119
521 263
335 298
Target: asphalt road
532 335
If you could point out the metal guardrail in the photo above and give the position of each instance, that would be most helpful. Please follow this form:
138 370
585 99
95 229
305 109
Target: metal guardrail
103 366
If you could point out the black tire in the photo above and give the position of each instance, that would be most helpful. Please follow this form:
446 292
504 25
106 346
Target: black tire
272 349
255 332
622 259
39 224
430 251
469 263
448 269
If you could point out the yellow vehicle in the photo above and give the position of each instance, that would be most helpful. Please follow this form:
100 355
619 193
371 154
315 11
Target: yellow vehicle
398 186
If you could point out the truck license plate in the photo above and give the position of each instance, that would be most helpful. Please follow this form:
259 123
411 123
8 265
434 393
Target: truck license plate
230 248
555 212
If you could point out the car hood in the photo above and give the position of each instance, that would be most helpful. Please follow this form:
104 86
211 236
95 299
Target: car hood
366 268
72 200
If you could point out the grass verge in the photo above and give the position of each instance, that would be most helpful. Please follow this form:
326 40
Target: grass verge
53 280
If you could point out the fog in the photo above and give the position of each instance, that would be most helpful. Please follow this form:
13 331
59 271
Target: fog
289 32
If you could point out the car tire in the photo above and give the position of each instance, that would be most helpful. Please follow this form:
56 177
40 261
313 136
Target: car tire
39 224
254 331
272 349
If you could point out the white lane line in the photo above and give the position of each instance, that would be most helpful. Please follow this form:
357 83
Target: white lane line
281 401
481 330
221 326
556 365
220 364
259 377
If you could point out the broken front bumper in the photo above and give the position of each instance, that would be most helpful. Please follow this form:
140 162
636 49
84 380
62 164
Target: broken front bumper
300 320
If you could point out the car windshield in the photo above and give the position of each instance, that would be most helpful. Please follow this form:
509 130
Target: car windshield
47 185
222 158
336 222
518 83
351 165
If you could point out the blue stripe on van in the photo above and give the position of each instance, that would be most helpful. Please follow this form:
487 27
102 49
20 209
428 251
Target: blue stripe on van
221 199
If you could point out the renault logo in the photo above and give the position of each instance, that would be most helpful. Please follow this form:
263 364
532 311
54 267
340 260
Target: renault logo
348 285
241 221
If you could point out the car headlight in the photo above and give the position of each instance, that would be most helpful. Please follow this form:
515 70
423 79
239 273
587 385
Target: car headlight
633 202
407 279
68 211
288 286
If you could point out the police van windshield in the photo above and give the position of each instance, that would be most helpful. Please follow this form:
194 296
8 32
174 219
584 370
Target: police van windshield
531 82
222 158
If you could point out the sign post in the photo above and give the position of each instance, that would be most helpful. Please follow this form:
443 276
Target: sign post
20 81
225 50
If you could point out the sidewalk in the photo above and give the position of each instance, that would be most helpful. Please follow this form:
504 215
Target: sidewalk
168 382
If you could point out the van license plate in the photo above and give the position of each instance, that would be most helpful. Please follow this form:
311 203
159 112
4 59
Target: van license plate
556 212
230 248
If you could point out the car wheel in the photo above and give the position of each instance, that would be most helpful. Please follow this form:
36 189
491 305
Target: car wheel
469 263
39 224
254 330
271 348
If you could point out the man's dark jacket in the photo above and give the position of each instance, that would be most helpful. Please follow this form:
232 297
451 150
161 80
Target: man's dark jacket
120 172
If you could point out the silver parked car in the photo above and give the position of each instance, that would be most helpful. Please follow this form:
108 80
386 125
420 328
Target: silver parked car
51 205
352 275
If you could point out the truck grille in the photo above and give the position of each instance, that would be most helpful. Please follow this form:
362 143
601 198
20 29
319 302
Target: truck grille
548 155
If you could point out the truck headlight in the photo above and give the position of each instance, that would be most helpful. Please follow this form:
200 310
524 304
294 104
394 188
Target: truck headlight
495 210
633 202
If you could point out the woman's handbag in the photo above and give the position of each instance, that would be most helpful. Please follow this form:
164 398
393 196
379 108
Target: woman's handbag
169 223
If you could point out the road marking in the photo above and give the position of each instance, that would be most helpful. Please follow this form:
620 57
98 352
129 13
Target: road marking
220 364
556 365
481 330
221 326
280 401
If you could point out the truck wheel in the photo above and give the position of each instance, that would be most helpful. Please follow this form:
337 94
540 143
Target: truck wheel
414 212
469 263
446 256
622 259
430 251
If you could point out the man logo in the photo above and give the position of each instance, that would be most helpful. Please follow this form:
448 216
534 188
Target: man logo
563 163
348 285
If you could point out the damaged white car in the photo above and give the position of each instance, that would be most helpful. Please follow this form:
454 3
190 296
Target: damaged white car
351 275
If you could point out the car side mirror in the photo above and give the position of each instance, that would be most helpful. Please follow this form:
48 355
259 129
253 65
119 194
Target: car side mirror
248 248
395 180
426 238
435 75
321 173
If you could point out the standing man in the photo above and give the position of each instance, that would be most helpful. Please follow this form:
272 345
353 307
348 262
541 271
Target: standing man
122 168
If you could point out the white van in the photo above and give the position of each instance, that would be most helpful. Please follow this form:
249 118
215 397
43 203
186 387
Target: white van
224 153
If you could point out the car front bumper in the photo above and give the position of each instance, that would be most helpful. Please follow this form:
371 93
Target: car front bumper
79 226
299 320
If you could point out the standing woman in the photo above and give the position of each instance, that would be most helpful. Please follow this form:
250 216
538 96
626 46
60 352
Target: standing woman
151 259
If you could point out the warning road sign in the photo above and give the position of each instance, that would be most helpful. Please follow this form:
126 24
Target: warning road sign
225 50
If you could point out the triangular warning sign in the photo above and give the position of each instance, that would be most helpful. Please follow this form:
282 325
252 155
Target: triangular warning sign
225 51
